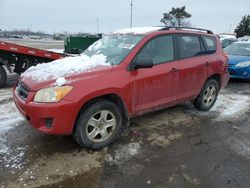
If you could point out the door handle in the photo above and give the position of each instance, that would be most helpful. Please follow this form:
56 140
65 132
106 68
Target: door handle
174 70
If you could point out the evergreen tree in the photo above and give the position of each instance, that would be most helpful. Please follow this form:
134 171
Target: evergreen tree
244 27
176 17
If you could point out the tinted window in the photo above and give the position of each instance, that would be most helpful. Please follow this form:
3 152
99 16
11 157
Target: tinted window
189 46
225 43
210 43
160 49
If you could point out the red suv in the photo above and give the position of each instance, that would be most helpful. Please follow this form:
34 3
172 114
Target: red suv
124 74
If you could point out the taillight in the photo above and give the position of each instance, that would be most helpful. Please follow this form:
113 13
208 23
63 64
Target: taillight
225 55
225 64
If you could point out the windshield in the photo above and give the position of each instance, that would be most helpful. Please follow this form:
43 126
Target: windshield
238 49
115 47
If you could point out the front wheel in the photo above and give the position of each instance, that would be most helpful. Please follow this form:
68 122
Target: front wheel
207 96
99 125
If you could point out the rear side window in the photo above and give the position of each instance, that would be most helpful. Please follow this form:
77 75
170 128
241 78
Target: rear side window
210 43
189 46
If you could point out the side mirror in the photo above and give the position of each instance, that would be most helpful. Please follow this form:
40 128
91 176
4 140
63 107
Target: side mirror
142 62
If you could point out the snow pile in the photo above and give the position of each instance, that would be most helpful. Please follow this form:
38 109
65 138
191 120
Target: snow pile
231 106
60 81
137 30
60 51
123 154
64 67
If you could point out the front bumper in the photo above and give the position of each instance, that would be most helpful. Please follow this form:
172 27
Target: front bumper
51 118
239 72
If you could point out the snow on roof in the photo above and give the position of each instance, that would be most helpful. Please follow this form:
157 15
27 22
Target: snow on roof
137 30
224 36
64 67
243 42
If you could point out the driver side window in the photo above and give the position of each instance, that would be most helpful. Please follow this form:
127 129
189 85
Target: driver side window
160 49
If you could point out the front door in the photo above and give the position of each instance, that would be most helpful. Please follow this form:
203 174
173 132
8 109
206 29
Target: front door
157 86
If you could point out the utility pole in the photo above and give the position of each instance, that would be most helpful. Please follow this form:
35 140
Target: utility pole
131 14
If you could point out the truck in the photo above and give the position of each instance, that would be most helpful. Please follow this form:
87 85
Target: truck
77 44
17 58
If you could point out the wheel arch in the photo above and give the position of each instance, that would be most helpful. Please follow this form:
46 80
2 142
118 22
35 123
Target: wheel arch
216 77
111 97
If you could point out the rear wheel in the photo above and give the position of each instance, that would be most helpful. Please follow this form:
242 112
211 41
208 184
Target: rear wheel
3 76
99 125
207 96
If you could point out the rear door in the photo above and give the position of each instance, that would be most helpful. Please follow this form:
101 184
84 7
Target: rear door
193 65
215 60
157 86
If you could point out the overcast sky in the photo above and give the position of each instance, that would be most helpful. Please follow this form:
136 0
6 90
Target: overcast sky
81 15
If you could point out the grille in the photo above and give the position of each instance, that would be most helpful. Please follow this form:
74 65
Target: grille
49 122
22 90
232 72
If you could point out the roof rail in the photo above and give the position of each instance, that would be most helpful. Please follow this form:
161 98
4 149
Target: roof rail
187 28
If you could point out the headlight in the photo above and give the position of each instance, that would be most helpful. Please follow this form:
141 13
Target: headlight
243 64
52 94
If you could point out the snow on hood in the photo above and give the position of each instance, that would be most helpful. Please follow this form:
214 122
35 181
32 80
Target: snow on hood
137 30
64 67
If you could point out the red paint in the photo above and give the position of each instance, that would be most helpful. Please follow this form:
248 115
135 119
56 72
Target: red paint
141 90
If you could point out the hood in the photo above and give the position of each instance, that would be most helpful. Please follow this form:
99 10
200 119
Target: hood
65 71
235 59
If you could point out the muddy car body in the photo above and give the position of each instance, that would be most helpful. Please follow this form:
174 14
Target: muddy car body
148 69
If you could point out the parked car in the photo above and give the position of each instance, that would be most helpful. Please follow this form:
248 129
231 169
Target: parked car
125 74
239 60
245 38
227 41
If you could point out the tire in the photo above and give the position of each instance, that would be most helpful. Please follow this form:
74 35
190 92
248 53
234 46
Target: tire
207 96
99 125
3 76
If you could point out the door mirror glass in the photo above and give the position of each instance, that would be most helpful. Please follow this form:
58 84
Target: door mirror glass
143 62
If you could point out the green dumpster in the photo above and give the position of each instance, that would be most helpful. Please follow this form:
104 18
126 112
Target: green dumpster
76 45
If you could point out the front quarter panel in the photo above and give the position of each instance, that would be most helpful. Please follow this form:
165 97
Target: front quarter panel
117 82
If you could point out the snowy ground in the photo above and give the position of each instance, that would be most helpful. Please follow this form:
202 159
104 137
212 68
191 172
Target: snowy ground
9 119
29 158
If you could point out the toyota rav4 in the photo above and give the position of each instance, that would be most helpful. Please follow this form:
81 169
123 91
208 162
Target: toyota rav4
125 74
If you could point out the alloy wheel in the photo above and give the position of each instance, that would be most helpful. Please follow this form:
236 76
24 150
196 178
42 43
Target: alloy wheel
101 126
